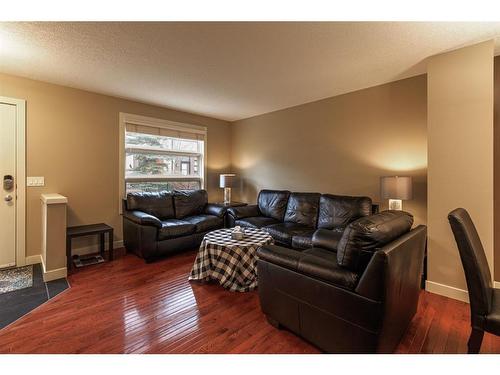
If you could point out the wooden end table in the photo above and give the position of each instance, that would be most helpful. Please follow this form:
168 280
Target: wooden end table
99 229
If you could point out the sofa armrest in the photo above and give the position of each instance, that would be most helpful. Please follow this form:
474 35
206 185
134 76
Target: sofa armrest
244 211
327 239
214 209
393 276
142 218
396 266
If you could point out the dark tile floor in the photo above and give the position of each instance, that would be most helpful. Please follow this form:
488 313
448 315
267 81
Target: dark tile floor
14 305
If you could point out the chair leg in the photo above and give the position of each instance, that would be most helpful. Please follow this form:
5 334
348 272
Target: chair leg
475 341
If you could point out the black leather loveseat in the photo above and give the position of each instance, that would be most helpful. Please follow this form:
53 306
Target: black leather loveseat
354 295
293 219
157 224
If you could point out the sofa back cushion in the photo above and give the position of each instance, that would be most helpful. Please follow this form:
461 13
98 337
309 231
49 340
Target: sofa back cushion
302 208
159 204
339 211
272 203
189 202
366 235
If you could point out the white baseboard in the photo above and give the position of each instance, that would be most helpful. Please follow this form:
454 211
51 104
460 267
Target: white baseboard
447 291
58 273
496 284
8 265
33 259
94 248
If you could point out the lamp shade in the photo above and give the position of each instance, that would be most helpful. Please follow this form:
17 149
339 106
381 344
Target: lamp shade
396 187
226 180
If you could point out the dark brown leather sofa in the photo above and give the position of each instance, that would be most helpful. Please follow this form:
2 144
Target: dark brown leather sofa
293 219
158 224
356 294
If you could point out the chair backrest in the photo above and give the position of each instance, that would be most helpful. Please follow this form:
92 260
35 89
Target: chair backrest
474 262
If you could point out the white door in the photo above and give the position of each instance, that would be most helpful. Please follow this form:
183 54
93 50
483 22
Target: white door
8 180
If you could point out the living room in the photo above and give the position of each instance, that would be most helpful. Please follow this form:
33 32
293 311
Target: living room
249 187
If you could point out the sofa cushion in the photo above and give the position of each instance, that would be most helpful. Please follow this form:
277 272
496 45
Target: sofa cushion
365 235
205 223
328 255
339 211
330 272
283 232
327 239
173 228
189 203
303 240
272 203
302 208
316 263
159 204
322 264
256 222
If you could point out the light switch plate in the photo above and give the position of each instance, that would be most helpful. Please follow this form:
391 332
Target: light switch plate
35 181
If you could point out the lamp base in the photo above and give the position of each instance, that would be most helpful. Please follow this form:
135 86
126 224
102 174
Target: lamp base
227 195
395 204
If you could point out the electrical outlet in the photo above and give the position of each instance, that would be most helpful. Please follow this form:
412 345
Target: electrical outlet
35 181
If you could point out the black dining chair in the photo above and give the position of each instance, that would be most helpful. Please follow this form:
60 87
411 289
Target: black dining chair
484 298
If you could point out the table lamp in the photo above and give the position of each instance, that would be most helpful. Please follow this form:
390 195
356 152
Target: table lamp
226 182
396 189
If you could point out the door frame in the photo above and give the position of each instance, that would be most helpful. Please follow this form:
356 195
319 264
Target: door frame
20 177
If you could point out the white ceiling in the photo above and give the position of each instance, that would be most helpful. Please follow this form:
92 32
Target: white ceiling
232 70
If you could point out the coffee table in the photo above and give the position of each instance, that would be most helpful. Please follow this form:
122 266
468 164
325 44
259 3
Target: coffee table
232 263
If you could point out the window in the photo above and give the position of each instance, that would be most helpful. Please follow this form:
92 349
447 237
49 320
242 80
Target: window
158 155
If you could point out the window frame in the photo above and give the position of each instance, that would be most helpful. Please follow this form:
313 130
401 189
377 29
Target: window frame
128 118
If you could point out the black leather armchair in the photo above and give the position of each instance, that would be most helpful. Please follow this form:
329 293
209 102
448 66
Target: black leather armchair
359 297
157 224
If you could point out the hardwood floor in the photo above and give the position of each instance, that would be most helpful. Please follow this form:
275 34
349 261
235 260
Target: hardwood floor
127 306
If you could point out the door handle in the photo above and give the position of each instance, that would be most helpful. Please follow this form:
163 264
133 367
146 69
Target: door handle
8 198
8 182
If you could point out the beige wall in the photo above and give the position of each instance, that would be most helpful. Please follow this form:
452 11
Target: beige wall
338 145
460 155
496 125
72 140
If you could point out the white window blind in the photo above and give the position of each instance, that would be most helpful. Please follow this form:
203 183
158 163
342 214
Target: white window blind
163 158
164 132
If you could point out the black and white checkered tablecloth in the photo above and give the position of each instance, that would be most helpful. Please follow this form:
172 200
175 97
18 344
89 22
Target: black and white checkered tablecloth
231 262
